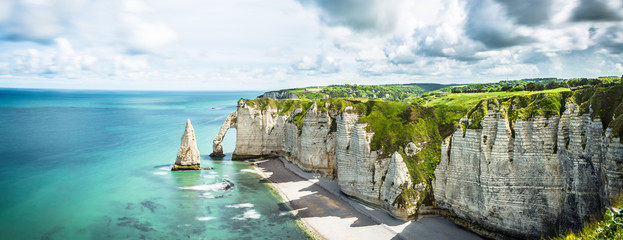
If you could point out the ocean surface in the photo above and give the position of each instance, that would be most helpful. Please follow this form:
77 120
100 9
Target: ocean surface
96 165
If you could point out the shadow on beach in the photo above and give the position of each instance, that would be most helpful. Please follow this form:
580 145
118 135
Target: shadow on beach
313 200
310 200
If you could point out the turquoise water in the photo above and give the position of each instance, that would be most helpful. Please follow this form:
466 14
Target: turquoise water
95 165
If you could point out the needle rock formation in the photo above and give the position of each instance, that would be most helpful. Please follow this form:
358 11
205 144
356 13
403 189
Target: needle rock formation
188 155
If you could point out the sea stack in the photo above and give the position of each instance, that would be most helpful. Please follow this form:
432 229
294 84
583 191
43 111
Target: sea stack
188 155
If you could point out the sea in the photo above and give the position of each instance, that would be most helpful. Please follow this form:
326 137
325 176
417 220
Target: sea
86 164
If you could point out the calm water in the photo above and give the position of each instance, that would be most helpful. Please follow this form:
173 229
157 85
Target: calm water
95 165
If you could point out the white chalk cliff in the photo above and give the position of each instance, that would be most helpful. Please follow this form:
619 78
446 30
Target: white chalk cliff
188 157
544 176
329 142
528 179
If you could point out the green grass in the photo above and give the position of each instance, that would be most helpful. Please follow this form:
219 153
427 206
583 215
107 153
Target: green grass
606 104
608 226
523 104
469 100
287 107
396 92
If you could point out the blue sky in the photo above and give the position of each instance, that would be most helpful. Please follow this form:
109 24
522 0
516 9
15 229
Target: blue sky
273 44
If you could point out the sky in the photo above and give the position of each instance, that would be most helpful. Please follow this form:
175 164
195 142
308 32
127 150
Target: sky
275 44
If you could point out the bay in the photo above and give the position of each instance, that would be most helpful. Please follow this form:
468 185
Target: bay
77 164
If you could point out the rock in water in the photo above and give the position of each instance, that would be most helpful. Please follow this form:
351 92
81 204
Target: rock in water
188 155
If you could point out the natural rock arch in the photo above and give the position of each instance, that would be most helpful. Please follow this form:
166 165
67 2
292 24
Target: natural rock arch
217 143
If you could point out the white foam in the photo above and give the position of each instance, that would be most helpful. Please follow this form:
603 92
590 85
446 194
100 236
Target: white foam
206 187
205 218
250 214
207 195
161 173
249 171
241 205
165 168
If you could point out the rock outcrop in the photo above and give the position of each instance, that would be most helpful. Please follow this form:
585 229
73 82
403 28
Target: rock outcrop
188 157
530 178
324 141
363 174
278 95
217 144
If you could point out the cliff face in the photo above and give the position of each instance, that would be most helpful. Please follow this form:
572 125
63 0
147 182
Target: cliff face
365 175
328 141
278 95
524 166
529 178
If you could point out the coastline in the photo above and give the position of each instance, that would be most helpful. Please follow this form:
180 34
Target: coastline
330 214
313 233
323 213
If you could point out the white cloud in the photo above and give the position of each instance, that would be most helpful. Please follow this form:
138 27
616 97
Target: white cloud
321 64
143 36
276 43
60 59
125 64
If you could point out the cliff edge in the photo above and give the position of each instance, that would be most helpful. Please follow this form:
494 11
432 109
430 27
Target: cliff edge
533 166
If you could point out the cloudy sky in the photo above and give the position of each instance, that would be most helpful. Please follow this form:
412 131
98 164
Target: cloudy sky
272 44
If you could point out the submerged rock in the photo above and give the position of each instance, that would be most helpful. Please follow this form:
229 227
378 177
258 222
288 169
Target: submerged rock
188 155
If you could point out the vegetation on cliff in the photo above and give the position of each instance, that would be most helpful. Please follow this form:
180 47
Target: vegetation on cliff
608 226
602 102
606 104
392 92
394 124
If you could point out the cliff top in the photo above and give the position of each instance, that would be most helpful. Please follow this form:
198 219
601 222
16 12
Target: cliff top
601 102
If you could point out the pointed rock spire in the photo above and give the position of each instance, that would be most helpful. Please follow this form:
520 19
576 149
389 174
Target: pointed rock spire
188 155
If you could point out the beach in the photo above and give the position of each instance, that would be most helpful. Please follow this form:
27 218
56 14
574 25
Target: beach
331 215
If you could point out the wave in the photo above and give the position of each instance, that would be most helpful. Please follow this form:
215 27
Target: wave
161 173
166 167
205 218
250 214
249 171
241 205
225 185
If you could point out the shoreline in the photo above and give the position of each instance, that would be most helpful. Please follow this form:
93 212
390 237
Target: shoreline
314 234
324 214
329 214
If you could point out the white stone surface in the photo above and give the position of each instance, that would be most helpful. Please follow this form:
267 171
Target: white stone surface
217 143
553 174
316 147
188 157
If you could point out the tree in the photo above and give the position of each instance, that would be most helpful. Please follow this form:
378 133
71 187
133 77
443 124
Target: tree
573 82
539 87
531 86
518 88
552 85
